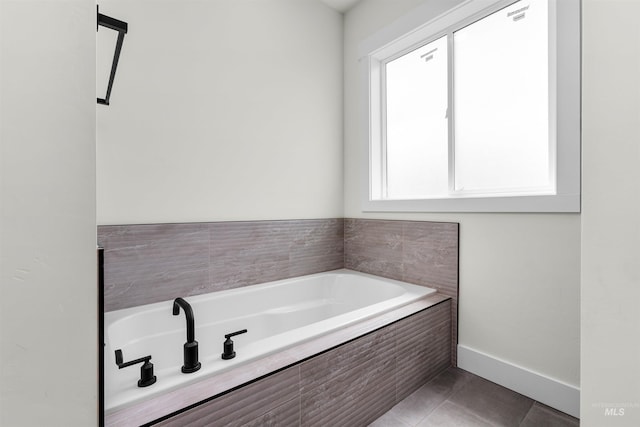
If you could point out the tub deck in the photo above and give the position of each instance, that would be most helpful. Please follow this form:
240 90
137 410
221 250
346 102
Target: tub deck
280 337
193 393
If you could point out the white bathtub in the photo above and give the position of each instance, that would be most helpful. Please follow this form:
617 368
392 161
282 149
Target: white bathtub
277 315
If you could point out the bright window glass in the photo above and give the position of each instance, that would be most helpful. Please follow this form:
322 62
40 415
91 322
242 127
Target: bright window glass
501 100
416 137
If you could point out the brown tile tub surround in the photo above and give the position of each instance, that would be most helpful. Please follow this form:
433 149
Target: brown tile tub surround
157 262
424 253
148 263
349 385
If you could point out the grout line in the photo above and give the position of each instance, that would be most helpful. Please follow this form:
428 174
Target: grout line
446 399
464 387
527 414
533 402
431 413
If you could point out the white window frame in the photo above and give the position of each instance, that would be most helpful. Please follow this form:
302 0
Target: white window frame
421 27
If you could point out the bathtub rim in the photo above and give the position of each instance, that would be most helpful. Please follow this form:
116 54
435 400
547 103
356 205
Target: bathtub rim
410 292
118 319
116 315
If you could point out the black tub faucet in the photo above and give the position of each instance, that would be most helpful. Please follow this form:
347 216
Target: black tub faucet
191 363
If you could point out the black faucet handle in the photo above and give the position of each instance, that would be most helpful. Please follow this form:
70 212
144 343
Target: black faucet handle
233 334
228 345
146 370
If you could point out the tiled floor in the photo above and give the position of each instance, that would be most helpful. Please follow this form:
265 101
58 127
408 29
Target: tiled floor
457 398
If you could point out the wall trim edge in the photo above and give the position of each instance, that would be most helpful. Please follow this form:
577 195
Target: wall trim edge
552 392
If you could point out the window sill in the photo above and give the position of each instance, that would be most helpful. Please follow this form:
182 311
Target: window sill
556 203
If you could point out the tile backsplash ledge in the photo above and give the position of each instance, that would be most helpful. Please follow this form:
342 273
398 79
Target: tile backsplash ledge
157 262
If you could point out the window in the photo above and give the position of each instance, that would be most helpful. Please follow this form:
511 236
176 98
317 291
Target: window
416 124
476 110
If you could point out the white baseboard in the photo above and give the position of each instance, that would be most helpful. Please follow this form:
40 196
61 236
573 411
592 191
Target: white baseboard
551 392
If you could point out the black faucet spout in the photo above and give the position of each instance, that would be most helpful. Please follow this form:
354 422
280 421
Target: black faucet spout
191 363
188 313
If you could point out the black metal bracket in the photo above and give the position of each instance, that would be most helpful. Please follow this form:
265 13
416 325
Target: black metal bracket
121 27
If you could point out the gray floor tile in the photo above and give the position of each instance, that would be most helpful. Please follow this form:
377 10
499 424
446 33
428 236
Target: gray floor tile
543 416
494 403
457 398
451 415
450 381
390 419
423 401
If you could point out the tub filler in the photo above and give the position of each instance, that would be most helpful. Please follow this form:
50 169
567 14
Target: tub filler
290 324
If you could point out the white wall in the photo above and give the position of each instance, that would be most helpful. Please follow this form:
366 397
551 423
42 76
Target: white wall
223 110
48 316
519 273
611 210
